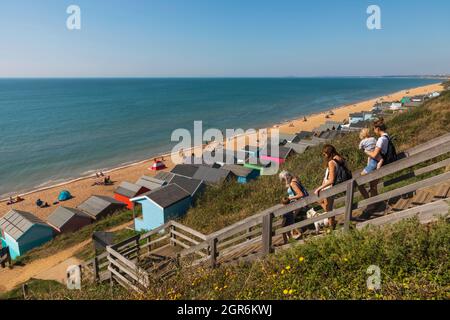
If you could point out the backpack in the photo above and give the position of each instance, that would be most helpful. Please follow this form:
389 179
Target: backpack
391 153
342 173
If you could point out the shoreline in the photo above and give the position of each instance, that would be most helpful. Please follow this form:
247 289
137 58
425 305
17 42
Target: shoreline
133 170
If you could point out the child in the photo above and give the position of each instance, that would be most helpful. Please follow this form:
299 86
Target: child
368 144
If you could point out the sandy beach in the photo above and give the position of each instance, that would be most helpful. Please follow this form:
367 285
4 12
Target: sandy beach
82 188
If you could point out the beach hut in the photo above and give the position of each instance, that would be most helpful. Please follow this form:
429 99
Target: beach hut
328 126
396 106
289 138
22 231
185 170
212 176
99 207
193 186
405 100
269 154
64 196
126 190
160 206
331 135
65 219
355 117
304 135
164 176
434 94
297 147
158 165
234 157
257 164
151 183
243 174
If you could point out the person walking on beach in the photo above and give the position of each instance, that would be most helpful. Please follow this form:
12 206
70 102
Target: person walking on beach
384 148
295 191
336 172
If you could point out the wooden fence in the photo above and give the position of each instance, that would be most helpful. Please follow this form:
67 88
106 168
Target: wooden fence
261 234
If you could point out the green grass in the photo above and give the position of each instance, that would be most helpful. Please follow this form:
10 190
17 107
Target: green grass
413 259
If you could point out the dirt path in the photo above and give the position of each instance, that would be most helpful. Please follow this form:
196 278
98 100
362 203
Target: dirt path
49 268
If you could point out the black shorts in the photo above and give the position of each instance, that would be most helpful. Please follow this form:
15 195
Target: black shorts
288 219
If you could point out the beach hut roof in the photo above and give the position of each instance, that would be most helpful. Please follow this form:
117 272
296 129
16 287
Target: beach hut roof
164 176
166 196
96 204
128 189
289 137
284 152
16 223
330 135
186 170
356 115
360 125
151 183
238 170
298 148
187 184
211 175
304 134
63 215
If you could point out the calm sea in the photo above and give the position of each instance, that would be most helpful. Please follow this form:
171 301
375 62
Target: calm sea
53 130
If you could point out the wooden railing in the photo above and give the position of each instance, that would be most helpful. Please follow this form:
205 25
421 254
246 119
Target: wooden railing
258 231
254 236
123 261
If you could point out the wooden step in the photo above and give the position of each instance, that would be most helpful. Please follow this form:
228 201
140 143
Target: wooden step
421 198
442 192
401 204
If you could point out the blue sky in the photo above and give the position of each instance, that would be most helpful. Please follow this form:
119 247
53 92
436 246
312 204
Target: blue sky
215 38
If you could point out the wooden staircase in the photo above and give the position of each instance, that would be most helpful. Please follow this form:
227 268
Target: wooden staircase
139 261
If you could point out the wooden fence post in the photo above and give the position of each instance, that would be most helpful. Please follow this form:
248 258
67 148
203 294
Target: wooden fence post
349 204
267 233
96 269
172 236
213 252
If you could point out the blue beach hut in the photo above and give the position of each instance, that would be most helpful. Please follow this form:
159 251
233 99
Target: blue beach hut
243 174
22 231
160 206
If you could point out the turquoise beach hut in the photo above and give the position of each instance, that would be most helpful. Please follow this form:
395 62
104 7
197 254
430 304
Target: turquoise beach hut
22 231
243 174
160 206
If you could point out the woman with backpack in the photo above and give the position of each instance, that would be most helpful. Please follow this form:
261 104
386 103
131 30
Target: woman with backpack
336 173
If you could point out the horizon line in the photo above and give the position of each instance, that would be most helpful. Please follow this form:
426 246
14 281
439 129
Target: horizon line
429 76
